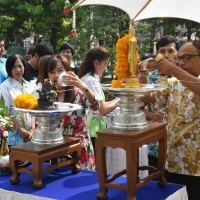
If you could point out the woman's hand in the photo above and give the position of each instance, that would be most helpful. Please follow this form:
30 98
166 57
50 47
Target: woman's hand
24 134
115 101
30 133
72 79
27 135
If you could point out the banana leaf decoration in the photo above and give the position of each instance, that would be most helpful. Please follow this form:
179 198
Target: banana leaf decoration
3 107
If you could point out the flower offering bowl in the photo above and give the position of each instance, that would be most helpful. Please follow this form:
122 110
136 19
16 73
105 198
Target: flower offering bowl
48 130
129 116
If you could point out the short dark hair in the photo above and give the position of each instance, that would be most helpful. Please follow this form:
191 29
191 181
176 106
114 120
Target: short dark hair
43 49
1 38
165 40
66 46
30 50
11 62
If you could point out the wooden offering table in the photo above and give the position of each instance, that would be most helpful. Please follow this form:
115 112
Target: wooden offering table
37 154
130 141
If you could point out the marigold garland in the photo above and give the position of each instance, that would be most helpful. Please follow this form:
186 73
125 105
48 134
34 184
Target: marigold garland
27 101
122 68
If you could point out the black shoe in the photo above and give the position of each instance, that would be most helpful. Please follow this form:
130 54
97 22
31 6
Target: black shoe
65 158
54 161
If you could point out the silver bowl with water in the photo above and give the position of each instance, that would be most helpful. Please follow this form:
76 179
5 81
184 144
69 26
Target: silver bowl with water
128 116
48 129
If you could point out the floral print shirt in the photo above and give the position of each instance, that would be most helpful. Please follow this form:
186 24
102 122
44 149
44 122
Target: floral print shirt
153 77
10 89
183 127
75 125
96 121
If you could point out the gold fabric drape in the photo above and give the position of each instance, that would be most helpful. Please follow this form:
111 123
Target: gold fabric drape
4 147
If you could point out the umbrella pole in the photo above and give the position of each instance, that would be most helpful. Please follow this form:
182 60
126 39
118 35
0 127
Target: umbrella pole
132 20
77 5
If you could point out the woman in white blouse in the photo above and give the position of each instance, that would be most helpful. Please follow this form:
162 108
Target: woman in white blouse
13 86
91 70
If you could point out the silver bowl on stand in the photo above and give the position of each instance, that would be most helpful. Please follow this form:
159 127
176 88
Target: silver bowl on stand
48 129
129 116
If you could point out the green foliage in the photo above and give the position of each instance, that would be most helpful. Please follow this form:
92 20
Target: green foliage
3 107
5 119
146 31
92 30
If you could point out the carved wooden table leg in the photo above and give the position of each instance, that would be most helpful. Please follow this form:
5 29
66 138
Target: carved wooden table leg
13 166
102 171
131 170
37 174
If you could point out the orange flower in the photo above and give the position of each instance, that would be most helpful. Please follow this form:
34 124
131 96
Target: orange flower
116 84
27 101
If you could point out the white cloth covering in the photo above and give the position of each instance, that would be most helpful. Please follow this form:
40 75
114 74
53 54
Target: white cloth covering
11 195
116 160
179 195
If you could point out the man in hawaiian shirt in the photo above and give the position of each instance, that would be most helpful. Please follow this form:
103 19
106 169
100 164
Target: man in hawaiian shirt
168 46
182 101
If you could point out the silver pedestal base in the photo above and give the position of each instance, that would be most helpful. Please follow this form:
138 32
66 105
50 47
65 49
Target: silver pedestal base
129 121
42 138
129 116
48 131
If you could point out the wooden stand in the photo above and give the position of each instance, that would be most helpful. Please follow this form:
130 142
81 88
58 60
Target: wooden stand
37 154
130 141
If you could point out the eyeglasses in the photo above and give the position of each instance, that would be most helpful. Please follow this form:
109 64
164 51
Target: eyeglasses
185 57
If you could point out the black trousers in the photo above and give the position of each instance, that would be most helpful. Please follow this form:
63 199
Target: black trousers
152 160
93 139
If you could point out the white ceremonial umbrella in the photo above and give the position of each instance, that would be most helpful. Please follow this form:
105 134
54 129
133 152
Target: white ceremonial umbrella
144 9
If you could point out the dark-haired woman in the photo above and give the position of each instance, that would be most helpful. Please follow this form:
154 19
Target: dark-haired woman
91 70
77 92
13 86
